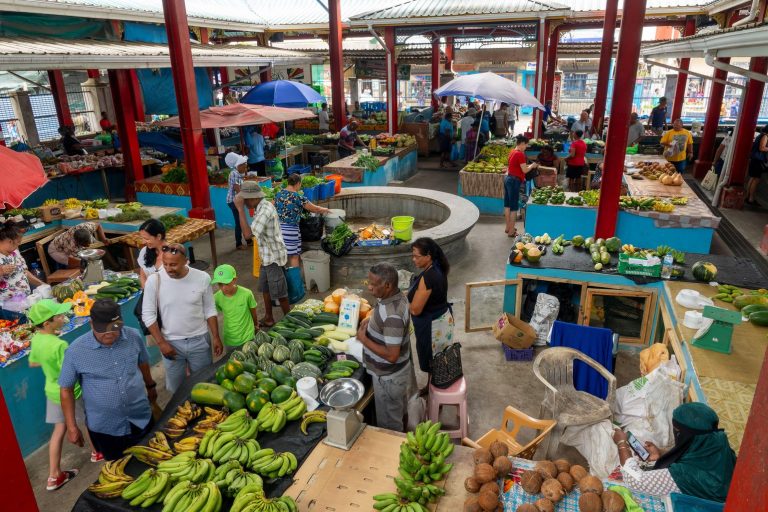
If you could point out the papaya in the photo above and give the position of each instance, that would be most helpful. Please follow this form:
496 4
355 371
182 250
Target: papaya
244 383
748 300
256 399
234 401
281 393
759 318
267 384
207 393
233 368
753 308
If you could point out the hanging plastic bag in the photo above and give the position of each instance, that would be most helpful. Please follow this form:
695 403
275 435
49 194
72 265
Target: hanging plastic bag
544 315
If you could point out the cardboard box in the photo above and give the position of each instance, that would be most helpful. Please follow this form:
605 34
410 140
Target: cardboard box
513 332
51 212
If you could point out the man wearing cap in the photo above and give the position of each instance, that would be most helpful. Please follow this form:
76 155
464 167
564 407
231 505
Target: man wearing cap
111 364
239 167
237 305
272 251
181 298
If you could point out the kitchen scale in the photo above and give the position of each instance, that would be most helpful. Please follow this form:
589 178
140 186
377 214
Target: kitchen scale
716 332
91 265
344 424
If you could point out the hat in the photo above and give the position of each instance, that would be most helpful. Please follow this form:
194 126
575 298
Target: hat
104 312
250 190
46 309
233 160
224 274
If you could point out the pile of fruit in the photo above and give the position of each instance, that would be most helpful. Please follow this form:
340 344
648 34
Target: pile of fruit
753 305
122 288
575 201
591 197
496 151
655 170
67 289
401 140
544 195
493 166
491 464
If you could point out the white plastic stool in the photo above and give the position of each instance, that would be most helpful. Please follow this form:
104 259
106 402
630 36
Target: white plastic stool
317 270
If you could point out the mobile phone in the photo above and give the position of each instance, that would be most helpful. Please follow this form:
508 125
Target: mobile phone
637 446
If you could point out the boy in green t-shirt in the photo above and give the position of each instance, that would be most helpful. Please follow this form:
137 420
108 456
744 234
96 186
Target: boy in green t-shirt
237 305
47 351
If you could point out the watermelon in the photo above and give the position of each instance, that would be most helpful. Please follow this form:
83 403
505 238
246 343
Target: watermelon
281 393
704 271
244 383
234 401
256 399
267 384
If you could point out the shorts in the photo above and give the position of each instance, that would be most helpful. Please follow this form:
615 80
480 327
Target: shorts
574 171
272 281
55 414
680 165
512 192
756 168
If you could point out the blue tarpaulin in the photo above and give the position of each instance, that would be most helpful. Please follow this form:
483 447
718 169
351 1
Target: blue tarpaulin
162 141
597 343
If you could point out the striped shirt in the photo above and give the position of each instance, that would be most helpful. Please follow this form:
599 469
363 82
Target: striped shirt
235 178
266 229
389 324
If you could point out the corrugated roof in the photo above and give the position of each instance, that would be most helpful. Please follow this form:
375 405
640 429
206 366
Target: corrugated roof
22 53
599 5
744 41
455 8
286 13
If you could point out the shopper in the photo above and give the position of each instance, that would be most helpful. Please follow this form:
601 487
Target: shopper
700 463
105 124
254 140
323 121
428 297
464 126
678 145
502 121
180 298
385 336
237 305
15 278
445 139
111 364
576 163
636 130
238 167
584 125
474 141
517 168
658 118
152 232
290 206
65 246
348 139
513 117
71 144
758 164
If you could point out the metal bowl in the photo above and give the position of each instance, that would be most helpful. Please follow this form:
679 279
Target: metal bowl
91 254
342 394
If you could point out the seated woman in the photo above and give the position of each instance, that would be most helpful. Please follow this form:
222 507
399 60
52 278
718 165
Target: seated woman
547 157
700 463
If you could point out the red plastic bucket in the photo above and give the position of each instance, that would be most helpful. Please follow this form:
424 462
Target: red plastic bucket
337 178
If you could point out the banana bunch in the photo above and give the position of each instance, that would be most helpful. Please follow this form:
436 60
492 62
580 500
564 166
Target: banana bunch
177 424
422 456
251 498
147 455
311 417
271 418
149 488
188 444
273 465
420 493
233 478
112 479
213 418
226 448
160 442
187 497
240 424
185 466
391 502
294 407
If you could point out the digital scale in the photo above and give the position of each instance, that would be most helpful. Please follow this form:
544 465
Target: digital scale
717 331
344 424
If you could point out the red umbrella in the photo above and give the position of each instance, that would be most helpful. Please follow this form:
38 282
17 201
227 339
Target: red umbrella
242 114
20 175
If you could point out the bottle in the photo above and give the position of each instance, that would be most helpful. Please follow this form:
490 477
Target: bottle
666 267
37 271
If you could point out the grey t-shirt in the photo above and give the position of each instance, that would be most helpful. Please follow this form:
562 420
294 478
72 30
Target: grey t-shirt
636 130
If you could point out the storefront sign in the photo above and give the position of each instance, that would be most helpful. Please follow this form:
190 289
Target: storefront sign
403 71
557 88
368 69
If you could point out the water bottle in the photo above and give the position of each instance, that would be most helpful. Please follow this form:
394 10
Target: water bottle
37 271
666 267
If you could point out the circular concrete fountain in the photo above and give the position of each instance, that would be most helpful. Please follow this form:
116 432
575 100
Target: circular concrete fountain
446 218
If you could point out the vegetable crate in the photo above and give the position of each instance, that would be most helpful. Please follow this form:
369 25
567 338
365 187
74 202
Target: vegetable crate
518 354
627 267
300 169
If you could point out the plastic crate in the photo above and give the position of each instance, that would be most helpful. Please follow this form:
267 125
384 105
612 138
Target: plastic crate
322 192
625 267
311 193
518 354
300 169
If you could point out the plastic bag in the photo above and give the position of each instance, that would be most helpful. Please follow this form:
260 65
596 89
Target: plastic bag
544 315
595 443
311 228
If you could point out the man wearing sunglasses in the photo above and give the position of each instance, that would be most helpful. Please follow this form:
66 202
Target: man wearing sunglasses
111 365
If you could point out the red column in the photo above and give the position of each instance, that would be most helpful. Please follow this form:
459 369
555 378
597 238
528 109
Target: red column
682 76
745 129
448 53
136 98
337 63
224 79
266 75
392 103
59 93
93 73
630 37
711 121
604 70
435 72
189 114
13 471
121 86
541 47
549 85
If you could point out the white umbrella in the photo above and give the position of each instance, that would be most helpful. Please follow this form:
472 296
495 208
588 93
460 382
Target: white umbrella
490 87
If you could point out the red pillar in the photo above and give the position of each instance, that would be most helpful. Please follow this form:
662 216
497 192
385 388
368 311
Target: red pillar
121 86
604 70
13 472
435 72
682 76
59 93
224 79
392 103
337 63
189 113
711 121
745 129
448 53
630 37
541 47
136 99
549 85
265 76
93 73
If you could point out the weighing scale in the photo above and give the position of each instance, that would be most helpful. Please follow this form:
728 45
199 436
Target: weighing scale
344 424
91 265
717 331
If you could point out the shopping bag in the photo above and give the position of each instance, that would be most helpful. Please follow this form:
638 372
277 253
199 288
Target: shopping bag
442 332
595 443
446 367
710 180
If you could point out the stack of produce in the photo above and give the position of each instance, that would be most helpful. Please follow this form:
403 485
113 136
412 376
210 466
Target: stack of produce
401 140
490 464
339 237
368 162
333 301
112 479
171 220
119 289
544 195
252 499
753 305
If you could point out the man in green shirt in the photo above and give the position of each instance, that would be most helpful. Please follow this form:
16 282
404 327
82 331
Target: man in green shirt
47 351
238 306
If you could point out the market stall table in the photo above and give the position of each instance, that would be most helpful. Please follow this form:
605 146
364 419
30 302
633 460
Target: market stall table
400 166
187 232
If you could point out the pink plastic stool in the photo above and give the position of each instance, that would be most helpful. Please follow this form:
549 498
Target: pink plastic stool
456 394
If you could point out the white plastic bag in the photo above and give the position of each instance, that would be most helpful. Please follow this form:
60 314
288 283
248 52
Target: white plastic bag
595 443
544 315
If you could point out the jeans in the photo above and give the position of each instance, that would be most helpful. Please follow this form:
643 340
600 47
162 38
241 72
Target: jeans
390 393
238 229
194 351
680 166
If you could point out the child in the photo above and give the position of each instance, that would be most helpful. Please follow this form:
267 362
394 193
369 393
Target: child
238 306
47 351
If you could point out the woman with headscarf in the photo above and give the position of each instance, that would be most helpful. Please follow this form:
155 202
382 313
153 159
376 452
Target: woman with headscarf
699 464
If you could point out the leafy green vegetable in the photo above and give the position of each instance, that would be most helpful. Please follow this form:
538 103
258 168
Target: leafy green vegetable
370 163
131 216
175 175
309 181
339 236
300 138
171 220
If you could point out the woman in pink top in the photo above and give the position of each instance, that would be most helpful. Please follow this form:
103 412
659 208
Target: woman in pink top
575 161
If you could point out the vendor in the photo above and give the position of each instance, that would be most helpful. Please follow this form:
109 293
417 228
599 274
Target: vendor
152 232
636 130
290 205
517 168
69 142
348 139
576 162
584 124
105 123
323 120
550 117
15 279
64 248
699 464
255 142
547 157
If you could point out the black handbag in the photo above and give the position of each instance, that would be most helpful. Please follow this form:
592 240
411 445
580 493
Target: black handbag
138 310
446 366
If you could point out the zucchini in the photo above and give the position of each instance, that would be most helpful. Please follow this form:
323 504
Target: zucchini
753 308
759 318
328 318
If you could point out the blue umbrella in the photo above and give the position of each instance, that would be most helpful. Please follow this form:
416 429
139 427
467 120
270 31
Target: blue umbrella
282 93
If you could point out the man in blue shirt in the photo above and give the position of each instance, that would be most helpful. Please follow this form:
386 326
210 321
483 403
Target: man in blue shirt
658 117
111 364
255 142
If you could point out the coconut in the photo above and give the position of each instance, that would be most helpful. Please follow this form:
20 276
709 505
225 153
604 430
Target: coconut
544 505
591 484
502 465
490 487
590 503
471 505
471 485
546 469
531 482
484 473
566 480
499 449
578 472
488 501
527 507
483 455
612 501
552 490
562 465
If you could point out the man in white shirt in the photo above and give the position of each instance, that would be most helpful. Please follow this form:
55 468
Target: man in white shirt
322 119
466 123
184 306
584 124
636 130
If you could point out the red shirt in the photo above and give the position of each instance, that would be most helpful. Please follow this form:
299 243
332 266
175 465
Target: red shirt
270 130
579 150
516 159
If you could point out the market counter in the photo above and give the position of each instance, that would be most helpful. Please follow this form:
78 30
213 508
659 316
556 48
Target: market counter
398 167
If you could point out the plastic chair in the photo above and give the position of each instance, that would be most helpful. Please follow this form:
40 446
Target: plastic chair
508 435
554 367
456 394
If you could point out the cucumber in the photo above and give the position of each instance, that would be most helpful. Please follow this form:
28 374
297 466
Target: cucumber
753 308
298 322
328 318
759 318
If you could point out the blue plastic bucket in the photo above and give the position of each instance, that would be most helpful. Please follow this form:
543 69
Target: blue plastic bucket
296 289
311 193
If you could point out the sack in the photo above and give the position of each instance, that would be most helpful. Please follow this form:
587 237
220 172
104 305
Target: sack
311 228
544 315
138 310
446 366
595 443
513 332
